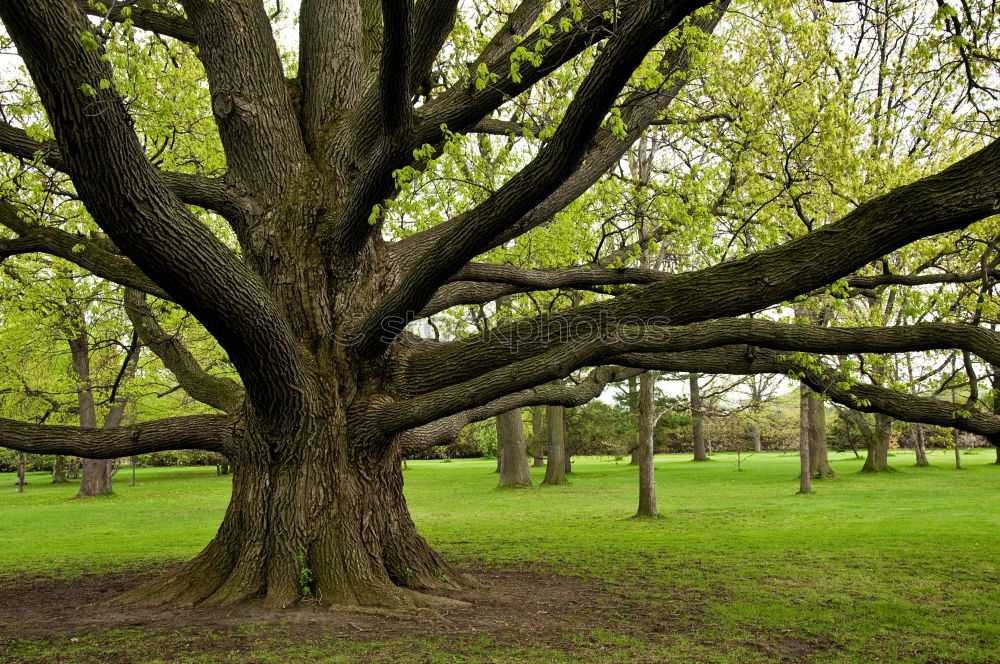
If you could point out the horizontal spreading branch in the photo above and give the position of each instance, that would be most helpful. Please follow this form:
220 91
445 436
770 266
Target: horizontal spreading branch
445 430
206 192
824 380
214 433
479 283
152 20
601 347
949 200
77 249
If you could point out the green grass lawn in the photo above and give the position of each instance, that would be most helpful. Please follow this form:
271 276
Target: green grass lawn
897 567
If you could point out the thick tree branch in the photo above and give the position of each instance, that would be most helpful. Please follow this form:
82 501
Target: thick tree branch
209 193
395 64
218 392
215 433
126 195
951 199
862 397
161 23
257 122
445 430
639 32
77 249
597 346
331 65
458 109
433 21
638 110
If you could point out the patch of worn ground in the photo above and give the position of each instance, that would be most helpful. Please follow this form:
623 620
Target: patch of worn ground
511 614
513 609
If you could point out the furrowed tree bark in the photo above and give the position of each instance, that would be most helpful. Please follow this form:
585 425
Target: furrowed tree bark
555 465
698 434
647 479
514 470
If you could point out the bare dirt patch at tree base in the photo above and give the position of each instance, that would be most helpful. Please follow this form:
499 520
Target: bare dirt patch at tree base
520 600
517 610
526 608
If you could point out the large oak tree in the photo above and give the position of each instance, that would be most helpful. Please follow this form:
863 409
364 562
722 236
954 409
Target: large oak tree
311 301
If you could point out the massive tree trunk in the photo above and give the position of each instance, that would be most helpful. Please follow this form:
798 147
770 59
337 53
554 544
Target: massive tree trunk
647 479
805 476
877 440
329 520
514 471
555 466
819 459
696 419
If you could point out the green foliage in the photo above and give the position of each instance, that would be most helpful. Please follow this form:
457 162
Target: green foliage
305 576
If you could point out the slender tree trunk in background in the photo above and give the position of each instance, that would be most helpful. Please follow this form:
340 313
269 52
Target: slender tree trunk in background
96 472
223 467
919 447
22 460
514 470
696 417
805 476
819 459
755 438
877 443
647 479
59 470
958 452
538 436
568 456
633 406
74 468
135 462
555 467
500 443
